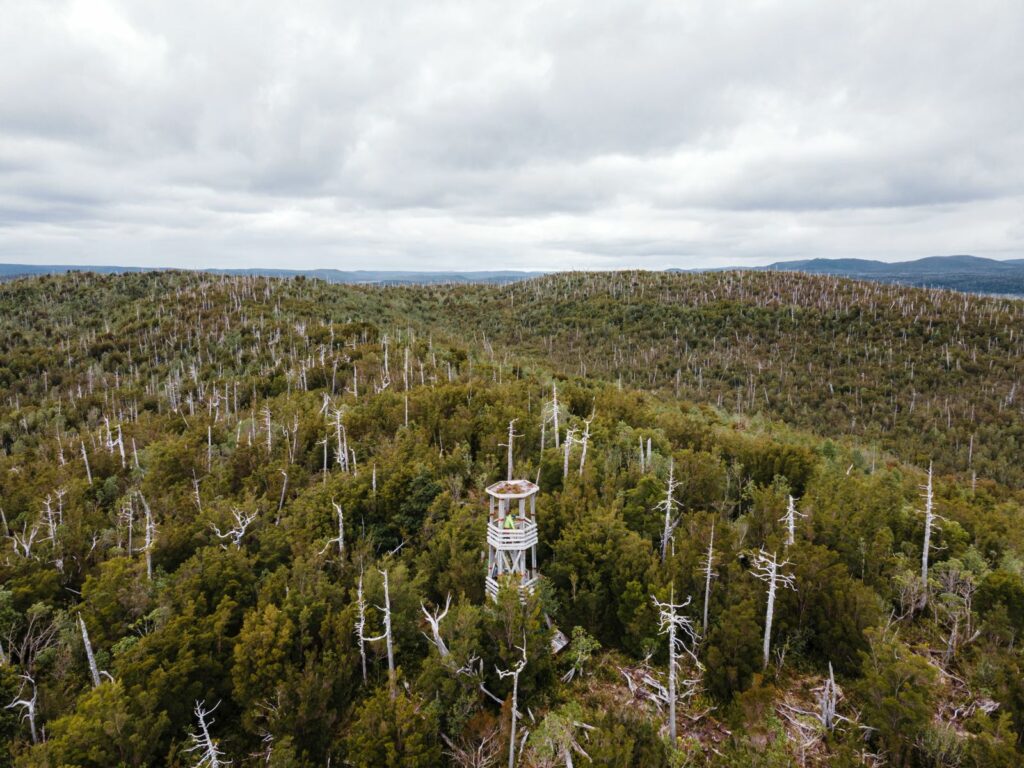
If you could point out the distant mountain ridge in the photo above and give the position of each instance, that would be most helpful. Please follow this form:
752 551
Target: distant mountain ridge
359 276
973 274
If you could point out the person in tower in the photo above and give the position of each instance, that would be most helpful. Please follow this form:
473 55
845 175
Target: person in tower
510 521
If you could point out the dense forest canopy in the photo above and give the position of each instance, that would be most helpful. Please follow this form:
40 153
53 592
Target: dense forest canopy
243 519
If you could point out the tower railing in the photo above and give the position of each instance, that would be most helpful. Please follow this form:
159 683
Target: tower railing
526 585
522 536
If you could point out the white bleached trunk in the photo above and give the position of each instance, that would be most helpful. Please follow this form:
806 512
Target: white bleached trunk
768 569
554 411
769 614
434 620
392 679
929 519
361 624
708 572
93 669
85 459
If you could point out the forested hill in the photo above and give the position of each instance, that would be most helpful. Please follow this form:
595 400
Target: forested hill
243 518
930 375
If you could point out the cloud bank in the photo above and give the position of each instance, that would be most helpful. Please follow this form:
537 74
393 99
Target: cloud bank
456 135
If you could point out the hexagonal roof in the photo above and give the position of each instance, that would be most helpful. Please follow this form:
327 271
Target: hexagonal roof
512 489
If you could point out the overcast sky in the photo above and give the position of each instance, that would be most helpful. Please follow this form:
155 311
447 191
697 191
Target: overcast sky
519 135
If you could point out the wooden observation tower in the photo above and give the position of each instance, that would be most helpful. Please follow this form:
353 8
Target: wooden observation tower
512 532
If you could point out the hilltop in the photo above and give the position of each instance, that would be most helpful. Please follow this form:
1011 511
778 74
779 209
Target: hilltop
257 506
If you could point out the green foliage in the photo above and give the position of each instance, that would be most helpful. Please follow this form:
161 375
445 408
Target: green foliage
733 651
897 693
1005 590
101 732
190 369
399 733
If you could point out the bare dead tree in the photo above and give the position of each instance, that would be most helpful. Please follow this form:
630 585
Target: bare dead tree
235 534
514 674
668 505
31 636
709 574
385 374
341 441
570 436
556 741
195 492
583 443
434 620
93 669
150 533
48 518
363 639
386 608
22 542
790 519
127 516
484 754
554 408
682 638
280 502
929 525
543 435
768 569
360 628
953 608
209 753
828 700
340 538
85 459
27 706
268 426
511 440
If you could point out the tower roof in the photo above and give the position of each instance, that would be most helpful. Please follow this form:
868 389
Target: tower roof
512 489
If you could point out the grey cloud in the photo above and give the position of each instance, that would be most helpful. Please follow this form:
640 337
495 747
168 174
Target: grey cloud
541 134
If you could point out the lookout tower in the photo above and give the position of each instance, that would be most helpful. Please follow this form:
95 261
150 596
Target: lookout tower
512 535
512 531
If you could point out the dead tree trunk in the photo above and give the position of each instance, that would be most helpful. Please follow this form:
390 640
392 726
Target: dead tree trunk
554 411
567 451
85 459
434 620
150 535
340 538
586 439
708 575
392 679
514 674
210 755
790 519
93 669
361 624
668 506
827 701
511 440
929 523
768 569
28 707
681 638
